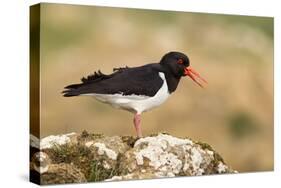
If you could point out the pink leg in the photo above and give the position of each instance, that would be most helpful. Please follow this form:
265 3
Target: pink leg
137 120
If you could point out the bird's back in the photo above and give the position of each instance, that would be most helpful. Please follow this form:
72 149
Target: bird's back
142 80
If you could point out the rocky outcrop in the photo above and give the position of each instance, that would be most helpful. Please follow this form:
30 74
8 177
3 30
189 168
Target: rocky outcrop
88 157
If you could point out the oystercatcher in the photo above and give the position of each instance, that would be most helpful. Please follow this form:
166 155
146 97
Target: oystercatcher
137 89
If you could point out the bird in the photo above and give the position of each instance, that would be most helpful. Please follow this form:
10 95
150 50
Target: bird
137 89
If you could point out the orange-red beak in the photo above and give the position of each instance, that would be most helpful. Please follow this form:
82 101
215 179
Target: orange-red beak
188 71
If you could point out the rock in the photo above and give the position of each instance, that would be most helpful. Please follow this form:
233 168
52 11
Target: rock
49 141
95 157
167 156
49 173
107 149
62 173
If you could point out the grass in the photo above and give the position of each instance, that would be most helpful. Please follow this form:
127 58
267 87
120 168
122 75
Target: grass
99 173
82 158
66 153
78 155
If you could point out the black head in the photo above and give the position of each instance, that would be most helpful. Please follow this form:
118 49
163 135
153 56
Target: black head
178 65
176 62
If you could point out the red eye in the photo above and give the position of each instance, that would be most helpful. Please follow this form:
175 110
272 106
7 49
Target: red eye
180 61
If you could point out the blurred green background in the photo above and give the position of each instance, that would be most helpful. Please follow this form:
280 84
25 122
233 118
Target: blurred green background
234 113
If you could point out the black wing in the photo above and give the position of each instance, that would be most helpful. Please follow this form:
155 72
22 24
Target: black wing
143 80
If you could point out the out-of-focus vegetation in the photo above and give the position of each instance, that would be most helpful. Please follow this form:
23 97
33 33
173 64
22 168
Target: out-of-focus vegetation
234 53
242 125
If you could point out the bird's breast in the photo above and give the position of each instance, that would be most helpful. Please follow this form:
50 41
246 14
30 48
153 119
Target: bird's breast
151 102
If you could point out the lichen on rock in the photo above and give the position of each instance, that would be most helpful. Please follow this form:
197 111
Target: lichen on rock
168 156
102 149
98 157
160 153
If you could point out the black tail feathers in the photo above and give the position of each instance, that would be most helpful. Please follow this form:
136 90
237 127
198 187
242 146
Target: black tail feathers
71 90
78 89
69 93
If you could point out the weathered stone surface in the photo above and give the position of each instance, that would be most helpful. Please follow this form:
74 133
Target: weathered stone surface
167 156
95 157
107 150
49 141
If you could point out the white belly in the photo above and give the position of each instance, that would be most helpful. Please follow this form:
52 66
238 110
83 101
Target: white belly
136 103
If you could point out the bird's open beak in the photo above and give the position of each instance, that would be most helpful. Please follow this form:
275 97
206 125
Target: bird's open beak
188 71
